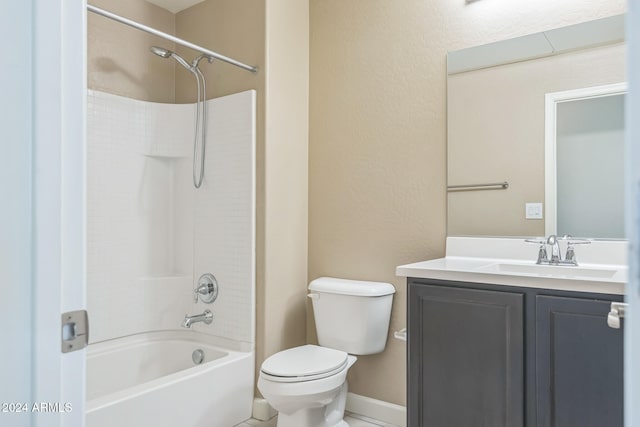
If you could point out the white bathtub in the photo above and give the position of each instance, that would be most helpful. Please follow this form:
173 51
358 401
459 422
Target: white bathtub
150 380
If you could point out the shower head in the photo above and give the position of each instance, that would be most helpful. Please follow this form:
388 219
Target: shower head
166 53
161 52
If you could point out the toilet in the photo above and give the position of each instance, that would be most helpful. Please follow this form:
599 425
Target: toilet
307 385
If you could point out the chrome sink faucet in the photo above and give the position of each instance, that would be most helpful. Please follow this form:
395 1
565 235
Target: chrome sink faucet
206 317
556 257
552 241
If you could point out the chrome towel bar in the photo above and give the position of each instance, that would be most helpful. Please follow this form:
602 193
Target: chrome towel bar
477 187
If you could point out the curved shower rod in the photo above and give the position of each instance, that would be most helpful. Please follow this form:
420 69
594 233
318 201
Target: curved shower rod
169 37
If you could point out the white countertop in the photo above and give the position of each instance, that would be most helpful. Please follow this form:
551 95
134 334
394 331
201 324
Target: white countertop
511 262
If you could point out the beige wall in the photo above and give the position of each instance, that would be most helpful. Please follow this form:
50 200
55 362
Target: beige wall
486 145
234 28
274 36
118 57
282 324
377 145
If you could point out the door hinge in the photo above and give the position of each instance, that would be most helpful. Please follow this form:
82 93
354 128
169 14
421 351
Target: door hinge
617 312
74 331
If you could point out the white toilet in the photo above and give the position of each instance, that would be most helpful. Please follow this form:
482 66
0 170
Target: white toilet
307 385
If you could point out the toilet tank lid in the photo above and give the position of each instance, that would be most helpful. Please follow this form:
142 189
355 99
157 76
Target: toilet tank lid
362 288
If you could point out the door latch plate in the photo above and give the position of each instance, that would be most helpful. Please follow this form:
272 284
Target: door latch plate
74 331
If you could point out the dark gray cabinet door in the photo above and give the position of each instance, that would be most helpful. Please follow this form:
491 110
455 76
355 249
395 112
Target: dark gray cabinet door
466 357
579 366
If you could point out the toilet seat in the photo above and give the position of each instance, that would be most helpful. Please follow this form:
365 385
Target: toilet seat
304 363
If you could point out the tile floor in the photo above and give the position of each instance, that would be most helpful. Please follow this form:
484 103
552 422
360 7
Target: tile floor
353 422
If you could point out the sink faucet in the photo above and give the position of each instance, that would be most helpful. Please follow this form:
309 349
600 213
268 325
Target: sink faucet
206 317
552 241
556 257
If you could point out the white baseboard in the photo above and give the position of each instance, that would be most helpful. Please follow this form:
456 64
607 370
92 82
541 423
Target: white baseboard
262 410
380 410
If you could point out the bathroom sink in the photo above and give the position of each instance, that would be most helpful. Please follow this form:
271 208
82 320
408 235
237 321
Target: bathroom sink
550 270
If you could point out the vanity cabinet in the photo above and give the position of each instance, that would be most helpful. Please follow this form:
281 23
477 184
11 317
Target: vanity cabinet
579 361
506 356
468 354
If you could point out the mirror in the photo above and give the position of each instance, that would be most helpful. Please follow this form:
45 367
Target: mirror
496 130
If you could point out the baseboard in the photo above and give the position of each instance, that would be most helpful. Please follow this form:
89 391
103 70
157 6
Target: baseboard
380 410
262 410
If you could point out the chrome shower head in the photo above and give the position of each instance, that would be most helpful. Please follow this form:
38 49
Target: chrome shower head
161 52
166 53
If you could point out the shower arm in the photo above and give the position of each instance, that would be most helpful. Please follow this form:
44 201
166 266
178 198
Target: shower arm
169 37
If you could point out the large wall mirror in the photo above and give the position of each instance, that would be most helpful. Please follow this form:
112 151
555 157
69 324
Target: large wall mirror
535 134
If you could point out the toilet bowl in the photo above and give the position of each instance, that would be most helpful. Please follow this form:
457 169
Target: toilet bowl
307 385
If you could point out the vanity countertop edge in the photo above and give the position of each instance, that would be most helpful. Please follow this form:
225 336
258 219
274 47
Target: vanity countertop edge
462 265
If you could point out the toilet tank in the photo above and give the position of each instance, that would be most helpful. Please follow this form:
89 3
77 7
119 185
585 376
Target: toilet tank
351 315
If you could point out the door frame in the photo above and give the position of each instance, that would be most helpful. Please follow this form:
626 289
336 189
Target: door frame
550 165
59 181
632 215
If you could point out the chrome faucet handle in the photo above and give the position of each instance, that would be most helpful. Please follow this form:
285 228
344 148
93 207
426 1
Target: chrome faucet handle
207 289
574 242
570 257
542 250
536 241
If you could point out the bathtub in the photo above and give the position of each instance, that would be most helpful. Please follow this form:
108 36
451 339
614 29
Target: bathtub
151 380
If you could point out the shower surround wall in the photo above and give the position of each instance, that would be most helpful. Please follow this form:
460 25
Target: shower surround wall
151 234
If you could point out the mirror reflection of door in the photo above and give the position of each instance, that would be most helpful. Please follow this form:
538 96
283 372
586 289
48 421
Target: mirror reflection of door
588 144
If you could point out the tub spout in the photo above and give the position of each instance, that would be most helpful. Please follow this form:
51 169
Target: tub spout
206 317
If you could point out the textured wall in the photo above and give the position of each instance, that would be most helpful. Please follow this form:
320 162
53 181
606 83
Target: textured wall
282 295
273 36
118 56
377 147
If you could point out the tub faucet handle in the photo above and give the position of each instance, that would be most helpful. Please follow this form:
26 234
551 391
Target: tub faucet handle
207 289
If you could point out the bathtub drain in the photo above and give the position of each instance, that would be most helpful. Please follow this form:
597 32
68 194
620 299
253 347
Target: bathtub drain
197 356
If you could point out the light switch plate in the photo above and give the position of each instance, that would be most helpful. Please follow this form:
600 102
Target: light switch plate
533 211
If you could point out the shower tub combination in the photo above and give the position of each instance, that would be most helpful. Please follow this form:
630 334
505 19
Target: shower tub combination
151 234
151 379
148 245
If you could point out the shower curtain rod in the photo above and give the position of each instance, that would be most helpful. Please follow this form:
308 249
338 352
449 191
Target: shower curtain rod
169 37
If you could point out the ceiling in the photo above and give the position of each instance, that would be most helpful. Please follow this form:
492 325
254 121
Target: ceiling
175 6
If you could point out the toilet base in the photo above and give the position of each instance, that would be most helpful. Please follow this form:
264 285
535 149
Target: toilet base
320 416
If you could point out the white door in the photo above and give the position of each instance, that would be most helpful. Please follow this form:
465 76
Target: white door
42 267
632 326
15 213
